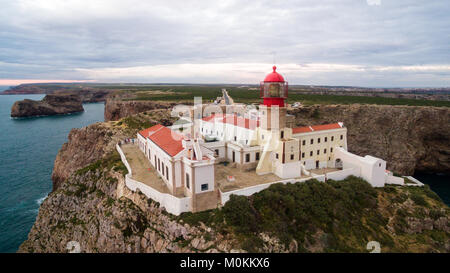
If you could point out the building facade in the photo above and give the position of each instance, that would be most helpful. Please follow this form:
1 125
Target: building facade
264 141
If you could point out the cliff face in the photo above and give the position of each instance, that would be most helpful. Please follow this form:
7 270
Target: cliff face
117 109
91 205
409 138
86 94
89 144
94 208
50 105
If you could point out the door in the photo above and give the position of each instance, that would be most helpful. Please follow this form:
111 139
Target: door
234 157
317 164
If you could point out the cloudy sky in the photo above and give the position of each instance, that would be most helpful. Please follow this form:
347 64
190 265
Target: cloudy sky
330 42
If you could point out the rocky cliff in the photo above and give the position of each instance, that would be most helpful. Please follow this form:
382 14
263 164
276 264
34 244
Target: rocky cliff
89 204
91 143
117 109
94 208
409 138
87 94
49 105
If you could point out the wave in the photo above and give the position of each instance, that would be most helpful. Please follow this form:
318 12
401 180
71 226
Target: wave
40 200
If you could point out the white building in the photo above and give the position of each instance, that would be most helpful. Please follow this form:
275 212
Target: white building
262 141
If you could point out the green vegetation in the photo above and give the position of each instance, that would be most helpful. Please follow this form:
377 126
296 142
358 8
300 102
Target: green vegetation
110 162
337 216
246 95
134 123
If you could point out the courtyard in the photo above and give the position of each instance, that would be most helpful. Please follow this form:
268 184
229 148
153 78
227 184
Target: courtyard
141 168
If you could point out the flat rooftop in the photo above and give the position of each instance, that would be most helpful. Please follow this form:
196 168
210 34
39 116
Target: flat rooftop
243 179
141 168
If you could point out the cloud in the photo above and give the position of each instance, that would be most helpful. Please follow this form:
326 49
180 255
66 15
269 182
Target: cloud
45 39
373 2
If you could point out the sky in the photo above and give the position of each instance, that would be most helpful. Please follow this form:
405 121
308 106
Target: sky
373 43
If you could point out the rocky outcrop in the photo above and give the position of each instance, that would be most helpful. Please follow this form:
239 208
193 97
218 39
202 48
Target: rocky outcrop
97 210
87 94
117 109
50 105
409 138
89 144
84 146
91 205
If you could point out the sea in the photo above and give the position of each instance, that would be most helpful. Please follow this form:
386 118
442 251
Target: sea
28 148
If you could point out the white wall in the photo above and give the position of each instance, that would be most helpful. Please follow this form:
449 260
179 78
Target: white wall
288 170
204 175
371 169
225 196
342 174
171 203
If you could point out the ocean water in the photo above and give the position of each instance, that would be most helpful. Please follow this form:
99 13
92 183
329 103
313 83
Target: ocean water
28 148
439 183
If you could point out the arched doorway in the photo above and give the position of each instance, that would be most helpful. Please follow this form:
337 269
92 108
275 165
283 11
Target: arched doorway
338 163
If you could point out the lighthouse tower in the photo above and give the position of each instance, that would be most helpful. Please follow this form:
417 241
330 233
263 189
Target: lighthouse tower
273 91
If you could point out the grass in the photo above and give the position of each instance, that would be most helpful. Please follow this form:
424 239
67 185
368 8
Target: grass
244 95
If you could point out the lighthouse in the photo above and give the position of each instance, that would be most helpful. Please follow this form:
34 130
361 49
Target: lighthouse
274 92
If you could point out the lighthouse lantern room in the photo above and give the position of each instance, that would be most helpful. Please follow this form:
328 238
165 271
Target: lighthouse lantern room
274 89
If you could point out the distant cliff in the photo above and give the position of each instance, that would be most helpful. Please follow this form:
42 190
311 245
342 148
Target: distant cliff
87 94
117 109
49 105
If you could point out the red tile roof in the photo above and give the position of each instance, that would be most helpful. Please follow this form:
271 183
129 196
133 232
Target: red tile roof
299 130
314 128
146 132
168 140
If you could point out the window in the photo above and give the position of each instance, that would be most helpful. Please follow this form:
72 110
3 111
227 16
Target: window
247 158
318 152
312 141
167 173
187 181
235 138
159 165
217 152
276 155
331 150
262 136
318 140
303 142
310 153
326 138
292 156
332 138
379 164
282 134
204 187
303 155
324 151
342 136
162 168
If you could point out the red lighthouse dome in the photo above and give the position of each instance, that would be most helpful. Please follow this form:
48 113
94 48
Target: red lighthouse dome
274 89
274 76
